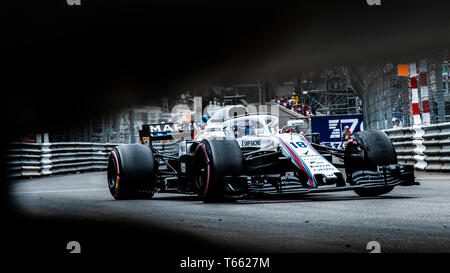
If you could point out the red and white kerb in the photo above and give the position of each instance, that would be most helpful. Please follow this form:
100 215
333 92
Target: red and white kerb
415 100
425 99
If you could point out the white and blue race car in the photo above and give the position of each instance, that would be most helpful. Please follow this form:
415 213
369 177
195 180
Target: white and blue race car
249 155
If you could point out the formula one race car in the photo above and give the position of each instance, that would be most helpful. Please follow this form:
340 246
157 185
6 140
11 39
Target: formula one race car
249 156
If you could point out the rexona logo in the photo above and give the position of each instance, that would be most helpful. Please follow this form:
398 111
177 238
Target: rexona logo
251 143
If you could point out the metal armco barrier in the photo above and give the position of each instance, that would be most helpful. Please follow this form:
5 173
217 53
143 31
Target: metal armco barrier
419 148
403 144
425 147
437 142
40 159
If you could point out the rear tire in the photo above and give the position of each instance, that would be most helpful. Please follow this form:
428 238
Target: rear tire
215 159
131 172
374 149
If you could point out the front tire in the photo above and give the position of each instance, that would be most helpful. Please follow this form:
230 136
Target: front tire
374 149
131 172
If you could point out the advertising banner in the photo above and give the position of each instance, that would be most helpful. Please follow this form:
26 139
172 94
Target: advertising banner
331 128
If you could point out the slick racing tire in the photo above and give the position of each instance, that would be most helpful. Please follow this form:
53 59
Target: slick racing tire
215 159
131 172
367 150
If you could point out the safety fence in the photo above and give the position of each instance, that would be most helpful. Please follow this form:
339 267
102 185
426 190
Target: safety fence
386 93
41 159
425 147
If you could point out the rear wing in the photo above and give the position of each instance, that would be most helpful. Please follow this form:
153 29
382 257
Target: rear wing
165 131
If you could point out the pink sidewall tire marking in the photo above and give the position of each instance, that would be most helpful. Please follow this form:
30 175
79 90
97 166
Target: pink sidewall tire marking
203 146
116 192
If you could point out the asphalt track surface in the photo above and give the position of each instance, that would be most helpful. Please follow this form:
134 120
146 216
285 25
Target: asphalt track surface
79 207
